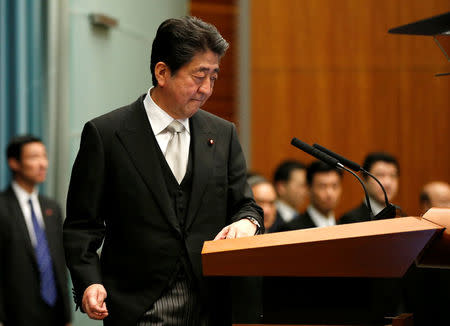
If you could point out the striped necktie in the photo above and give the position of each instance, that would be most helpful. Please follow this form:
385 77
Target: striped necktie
44 261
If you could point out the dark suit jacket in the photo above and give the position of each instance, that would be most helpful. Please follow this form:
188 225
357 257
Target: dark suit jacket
278 225
358 214
117 193
20 300
302 221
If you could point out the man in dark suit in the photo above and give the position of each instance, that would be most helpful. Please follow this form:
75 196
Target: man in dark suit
385 168
290 184
324 184
33 282
265 196
153 180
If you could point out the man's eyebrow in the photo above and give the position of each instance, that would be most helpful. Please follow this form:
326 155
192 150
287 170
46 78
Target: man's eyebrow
205 69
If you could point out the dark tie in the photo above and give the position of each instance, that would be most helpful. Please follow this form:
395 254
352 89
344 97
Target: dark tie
44 261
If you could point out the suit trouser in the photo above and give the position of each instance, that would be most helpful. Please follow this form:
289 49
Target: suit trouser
180 305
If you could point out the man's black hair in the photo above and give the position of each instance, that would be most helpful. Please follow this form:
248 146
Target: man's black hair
375 157
285 168
178 40
14 149
319 167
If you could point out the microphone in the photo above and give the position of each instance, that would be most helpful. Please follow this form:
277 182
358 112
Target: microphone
390 210
350 164
317 153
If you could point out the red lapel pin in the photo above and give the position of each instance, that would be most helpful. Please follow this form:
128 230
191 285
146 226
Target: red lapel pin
48 212
211 142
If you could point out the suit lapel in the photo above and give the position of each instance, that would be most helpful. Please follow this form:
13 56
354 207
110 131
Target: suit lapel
137 138
309 221
203 163
17 214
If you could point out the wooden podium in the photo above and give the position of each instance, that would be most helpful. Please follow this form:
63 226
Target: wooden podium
375 249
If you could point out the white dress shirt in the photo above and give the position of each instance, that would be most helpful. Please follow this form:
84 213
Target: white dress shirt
159 120
319 219
287 213
376 207
23 196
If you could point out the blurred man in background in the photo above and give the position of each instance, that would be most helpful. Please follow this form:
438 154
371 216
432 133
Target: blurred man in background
324 184
265 196
385 168
290 185
33 282
435 194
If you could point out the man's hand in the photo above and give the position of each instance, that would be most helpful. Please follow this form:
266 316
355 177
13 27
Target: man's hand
239 229
94 301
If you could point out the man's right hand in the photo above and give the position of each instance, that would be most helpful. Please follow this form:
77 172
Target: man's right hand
93 302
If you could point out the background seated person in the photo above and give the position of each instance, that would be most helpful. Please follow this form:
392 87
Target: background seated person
324 184
290 185
385 168
265 196
435 194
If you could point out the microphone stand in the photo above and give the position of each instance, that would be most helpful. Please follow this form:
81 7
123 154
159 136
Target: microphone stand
390 211
330 160
365 190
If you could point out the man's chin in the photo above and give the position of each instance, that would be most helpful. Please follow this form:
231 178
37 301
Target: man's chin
40 178
380 200
193 110
198 103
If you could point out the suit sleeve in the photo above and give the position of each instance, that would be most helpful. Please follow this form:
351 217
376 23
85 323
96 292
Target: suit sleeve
241 203
3 242
84 227
62 267
2 277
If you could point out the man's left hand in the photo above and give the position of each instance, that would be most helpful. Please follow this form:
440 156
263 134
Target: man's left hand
239 229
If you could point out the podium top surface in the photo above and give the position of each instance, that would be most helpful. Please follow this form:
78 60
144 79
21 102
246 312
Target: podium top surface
384 248
344 231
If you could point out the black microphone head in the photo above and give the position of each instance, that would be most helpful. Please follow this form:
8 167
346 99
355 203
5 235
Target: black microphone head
314 152
301 145
330 158
350 164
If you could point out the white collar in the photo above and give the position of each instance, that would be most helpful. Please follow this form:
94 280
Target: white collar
22 195
160 119
319 219
286 211
376 206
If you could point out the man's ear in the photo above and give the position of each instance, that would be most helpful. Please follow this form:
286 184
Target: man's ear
162 73
14 164
279 188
